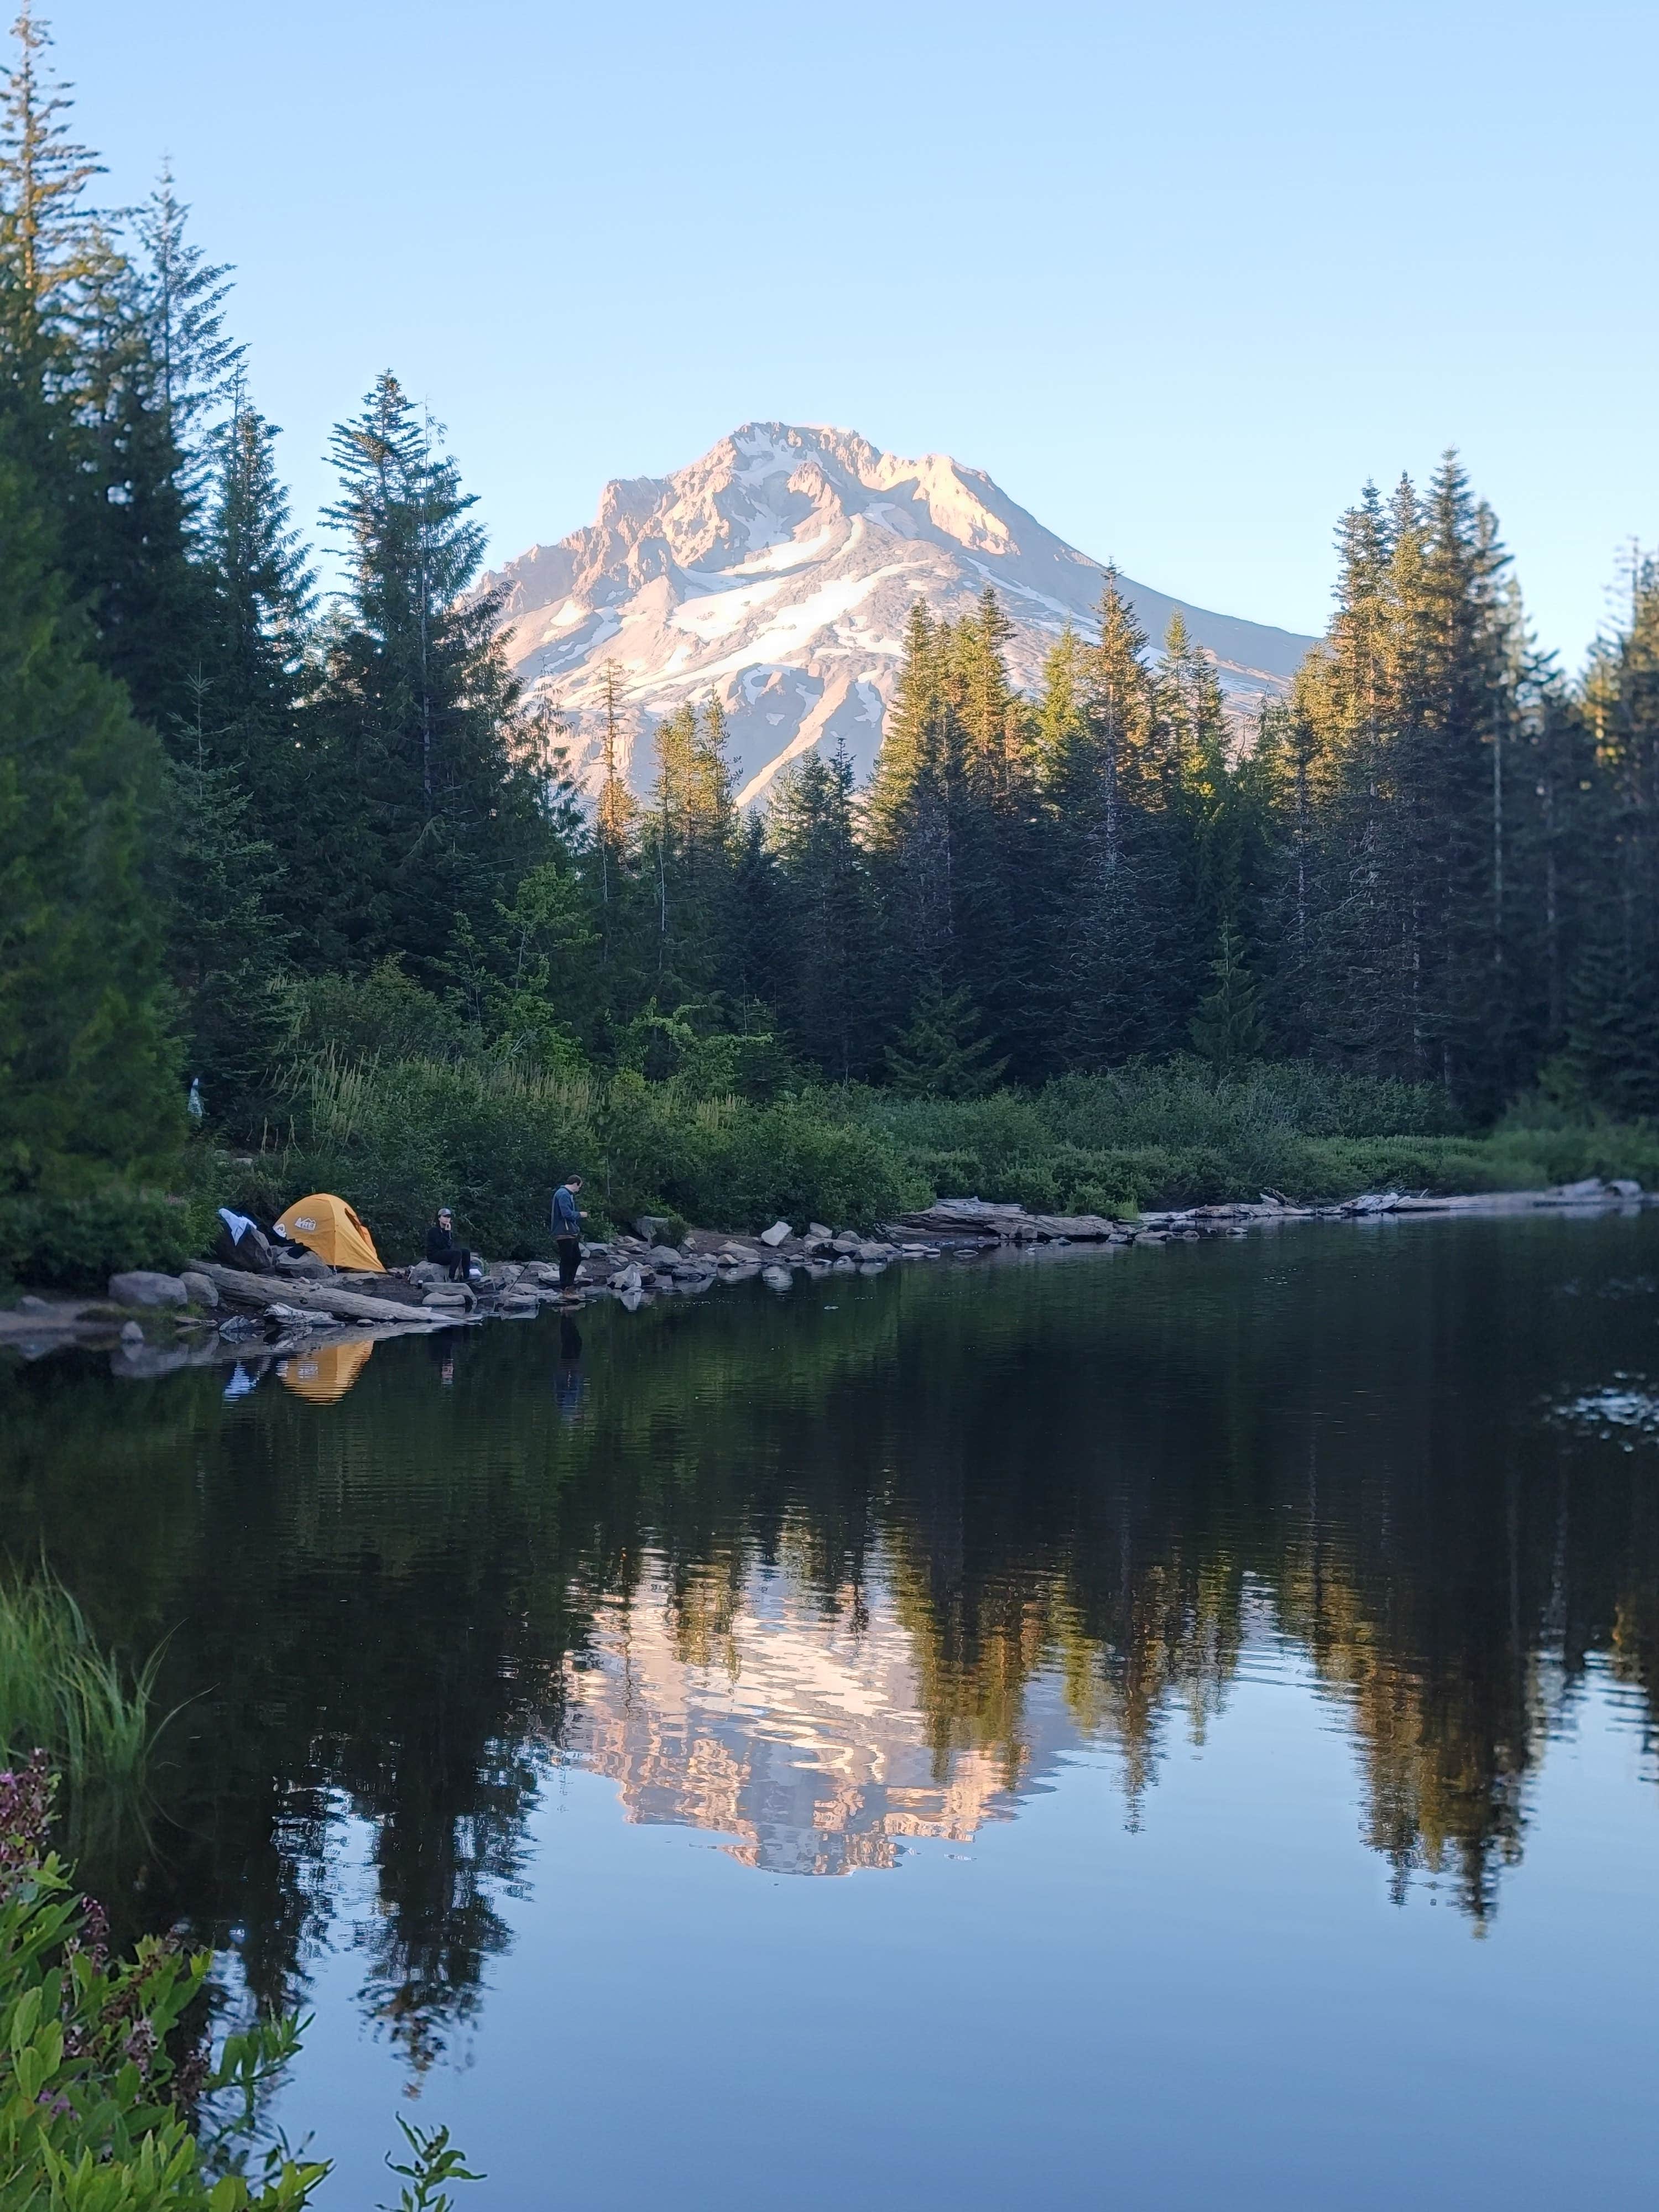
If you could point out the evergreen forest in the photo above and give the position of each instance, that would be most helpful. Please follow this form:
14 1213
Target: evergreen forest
317 854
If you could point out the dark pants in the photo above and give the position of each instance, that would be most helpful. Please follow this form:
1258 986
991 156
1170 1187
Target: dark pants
460 1267
570 1258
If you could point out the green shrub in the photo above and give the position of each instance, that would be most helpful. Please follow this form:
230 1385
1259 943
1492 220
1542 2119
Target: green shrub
77 1244
111 2100
398 1138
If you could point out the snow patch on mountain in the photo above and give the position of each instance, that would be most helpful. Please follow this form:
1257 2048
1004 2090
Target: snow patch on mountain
777 573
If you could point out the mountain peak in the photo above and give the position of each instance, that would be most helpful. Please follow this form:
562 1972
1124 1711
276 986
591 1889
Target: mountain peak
777 570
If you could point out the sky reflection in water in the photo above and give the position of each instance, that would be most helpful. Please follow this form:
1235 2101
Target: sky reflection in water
1191 1651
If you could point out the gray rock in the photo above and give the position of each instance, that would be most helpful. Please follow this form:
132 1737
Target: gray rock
131 1332
777 1279
1589 1188
202 1291
649 1228
631 1278
141 1286
426 1275
847 1242
1626 1187
847 1264
745 1274
873 1267
818 1234
453 1299
31 1304
779 1233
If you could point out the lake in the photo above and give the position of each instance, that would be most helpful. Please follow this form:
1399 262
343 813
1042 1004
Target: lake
1161 1728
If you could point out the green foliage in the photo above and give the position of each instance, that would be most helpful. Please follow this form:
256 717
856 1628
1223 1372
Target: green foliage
940 1054
492 1139
1227 1029
340 859
383 1015
432 2163
60 1692
98 2111
77 1244
429 768
89 1080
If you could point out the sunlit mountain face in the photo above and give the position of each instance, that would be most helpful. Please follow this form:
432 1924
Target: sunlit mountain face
776 574
790 1722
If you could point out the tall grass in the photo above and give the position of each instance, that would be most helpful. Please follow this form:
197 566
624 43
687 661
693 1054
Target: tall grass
62 1693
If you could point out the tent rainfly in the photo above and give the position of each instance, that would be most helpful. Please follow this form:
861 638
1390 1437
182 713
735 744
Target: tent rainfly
328 1227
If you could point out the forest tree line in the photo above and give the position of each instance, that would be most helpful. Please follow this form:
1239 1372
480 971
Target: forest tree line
242 821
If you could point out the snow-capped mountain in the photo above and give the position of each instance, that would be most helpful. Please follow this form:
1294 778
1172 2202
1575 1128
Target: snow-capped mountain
777 572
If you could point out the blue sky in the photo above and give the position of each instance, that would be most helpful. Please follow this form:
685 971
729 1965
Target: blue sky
1180 276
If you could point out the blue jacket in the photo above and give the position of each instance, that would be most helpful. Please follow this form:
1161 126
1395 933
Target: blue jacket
567 1215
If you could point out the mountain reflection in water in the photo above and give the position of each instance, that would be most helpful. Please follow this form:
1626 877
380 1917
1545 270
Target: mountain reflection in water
829 1584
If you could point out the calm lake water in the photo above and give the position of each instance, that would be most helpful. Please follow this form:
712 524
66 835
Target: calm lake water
1167 1729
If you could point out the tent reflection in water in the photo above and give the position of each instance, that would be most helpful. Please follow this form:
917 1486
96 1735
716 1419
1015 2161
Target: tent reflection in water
328 1227
326 1375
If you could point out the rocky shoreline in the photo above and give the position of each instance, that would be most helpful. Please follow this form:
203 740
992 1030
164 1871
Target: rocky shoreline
154 1323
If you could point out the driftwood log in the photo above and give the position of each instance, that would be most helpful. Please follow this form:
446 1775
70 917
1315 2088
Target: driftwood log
262 1290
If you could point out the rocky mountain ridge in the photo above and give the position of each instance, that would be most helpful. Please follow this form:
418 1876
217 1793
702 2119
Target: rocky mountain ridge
777 572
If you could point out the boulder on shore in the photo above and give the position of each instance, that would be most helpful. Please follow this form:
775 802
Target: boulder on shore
779 1233
142 1287
202 1291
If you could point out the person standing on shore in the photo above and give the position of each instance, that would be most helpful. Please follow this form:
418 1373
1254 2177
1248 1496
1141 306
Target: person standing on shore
567 1233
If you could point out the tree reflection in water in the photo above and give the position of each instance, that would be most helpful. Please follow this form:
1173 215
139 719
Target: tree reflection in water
826 1582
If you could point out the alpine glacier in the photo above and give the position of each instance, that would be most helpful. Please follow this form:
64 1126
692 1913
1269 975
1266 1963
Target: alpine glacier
777 573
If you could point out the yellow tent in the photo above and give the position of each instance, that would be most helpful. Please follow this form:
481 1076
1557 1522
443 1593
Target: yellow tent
326 1375
332 1230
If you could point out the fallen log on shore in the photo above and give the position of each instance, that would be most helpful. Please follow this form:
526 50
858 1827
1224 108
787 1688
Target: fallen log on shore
259 1292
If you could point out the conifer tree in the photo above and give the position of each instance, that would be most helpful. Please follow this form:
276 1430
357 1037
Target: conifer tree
254 673
226 944
436 769
181 299
79 393
828 915
1227 1029
940 1053
1098 784
614 828
688 849
89 1077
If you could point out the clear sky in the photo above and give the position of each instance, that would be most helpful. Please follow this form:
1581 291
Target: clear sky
1180 274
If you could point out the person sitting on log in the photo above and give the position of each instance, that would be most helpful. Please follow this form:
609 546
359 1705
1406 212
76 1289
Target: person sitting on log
443 1251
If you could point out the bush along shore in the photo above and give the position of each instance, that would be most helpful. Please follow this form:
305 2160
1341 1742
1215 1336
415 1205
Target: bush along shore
213 1313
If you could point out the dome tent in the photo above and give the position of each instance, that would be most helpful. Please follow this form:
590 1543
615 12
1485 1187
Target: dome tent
327 1227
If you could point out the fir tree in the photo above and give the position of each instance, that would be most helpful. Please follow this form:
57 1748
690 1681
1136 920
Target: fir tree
81 394
435 767
829 916
89 1076
940 1053
181 296
1227 1029
688 838
227 949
